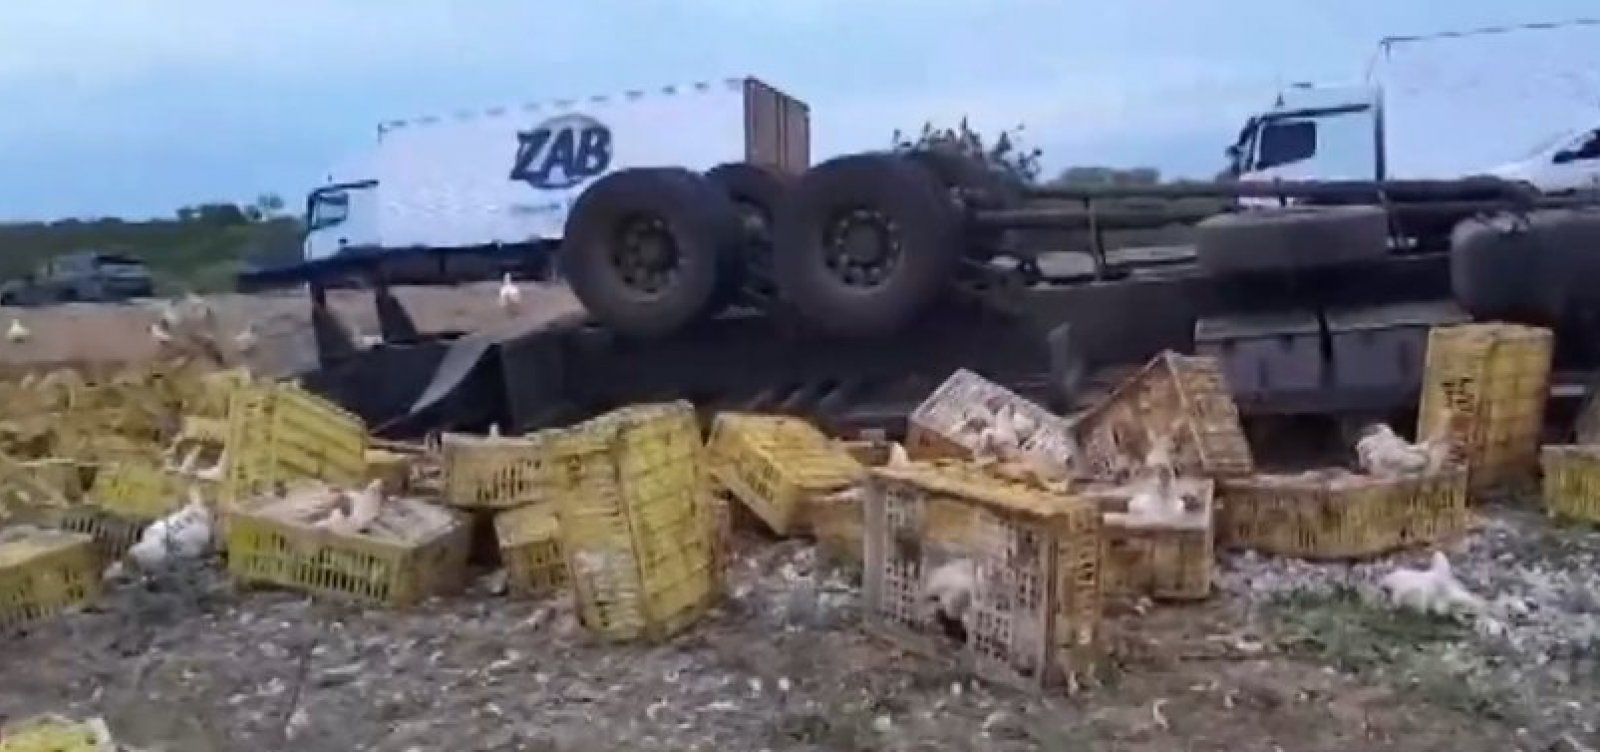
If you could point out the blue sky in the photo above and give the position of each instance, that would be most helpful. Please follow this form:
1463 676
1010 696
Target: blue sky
134 107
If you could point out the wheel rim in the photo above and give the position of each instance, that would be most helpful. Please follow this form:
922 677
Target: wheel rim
862 248
645 255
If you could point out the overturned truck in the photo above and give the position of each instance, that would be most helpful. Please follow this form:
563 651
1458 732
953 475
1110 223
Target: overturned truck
847 292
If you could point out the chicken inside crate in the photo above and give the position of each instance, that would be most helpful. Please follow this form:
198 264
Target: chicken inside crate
1177 404
1335 514
1002 575
969 416
43 572
358 545
1158 537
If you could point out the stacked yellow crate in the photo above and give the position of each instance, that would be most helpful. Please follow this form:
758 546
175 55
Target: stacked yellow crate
1485 385
630 490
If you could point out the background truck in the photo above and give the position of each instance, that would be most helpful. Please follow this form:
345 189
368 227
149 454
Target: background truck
85 276
1519 102
472 195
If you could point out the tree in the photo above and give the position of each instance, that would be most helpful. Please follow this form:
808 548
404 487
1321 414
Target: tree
1005 155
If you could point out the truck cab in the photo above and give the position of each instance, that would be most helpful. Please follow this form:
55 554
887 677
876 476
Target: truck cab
340 216
1567 162
1312 133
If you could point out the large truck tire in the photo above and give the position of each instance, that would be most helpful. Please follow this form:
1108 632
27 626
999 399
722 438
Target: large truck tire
649 251
866 242
757 191
980 187
1533 266
1291 238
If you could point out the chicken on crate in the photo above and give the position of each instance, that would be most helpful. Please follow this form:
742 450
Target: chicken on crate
1487 384
492 472
777 467
631 493
1003 575
1178 401
969 416
355 544
44 572
530 548
1572 481
1158 534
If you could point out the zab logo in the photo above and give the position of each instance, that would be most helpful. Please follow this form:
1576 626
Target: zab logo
562 152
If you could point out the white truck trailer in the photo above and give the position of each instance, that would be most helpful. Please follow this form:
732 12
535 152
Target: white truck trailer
1517 102
473 194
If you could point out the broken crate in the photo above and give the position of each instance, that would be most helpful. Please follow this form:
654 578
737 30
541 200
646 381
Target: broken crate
777 466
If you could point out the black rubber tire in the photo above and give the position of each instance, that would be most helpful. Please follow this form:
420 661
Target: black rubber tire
909 196
1532 267
704 226
1292 238
760 189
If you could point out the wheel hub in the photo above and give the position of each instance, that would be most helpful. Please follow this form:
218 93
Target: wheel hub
862 248
646 255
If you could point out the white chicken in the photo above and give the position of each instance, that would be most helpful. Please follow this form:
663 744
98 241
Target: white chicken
184 534
161 331
170 316
17 332
1434 590
1156 500
246 339
362 509
897 455
950 590
510 295
1382 453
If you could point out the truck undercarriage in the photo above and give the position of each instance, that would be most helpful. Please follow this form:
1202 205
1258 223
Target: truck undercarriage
1347 339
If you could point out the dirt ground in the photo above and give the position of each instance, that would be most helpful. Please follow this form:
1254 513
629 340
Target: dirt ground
1286 656
98 332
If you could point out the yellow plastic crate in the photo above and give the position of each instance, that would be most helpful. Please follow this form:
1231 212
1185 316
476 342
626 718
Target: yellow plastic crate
1172 560
939 427
137 491
1487 384
280 432
43 483
43 572
638 543
205 430
1572 481
54 733
113 535
1035 618
1183 398
530 548
493 473
1333 516
776 465
413 551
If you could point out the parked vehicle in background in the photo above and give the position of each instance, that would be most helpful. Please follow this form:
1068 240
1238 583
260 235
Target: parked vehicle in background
87 276
1521 103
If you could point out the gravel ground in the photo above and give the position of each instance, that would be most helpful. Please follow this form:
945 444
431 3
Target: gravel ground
1280 659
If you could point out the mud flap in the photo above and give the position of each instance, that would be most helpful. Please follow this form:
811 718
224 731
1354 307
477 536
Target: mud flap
458 363
332 338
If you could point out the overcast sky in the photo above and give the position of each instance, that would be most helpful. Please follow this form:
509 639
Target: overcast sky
134 107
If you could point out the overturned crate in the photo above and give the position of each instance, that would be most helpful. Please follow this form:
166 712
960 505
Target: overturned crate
638 541
951 424
776 466
530 549
1168 559
1034 561
125 498
1181 398
44 572
1572 481
278 432
492 472
1485 386
413 550
1337 515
